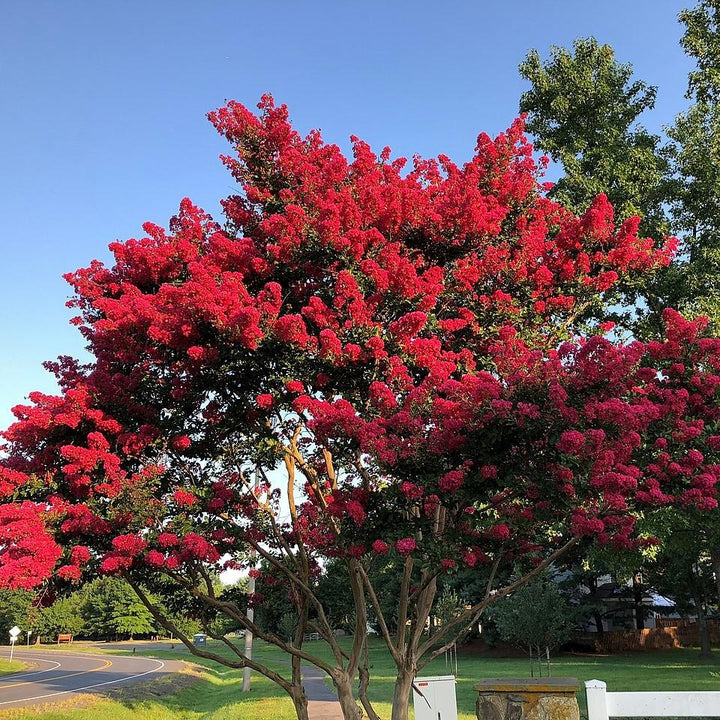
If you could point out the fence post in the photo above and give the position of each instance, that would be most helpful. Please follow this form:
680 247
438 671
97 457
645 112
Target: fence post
596 700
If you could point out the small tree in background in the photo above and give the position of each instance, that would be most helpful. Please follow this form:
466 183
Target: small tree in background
583 109
62 616
536 618
112 610
287 626
17 608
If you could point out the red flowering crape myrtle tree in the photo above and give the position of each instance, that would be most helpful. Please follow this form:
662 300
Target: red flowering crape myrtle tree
421 353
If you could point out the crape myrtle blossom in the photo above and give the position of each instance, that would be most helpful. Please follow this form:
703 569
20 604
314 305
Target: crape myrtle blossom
421 349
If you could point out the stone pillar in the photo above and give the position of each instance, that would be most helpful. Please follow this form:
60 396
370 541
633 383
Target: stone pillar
527 699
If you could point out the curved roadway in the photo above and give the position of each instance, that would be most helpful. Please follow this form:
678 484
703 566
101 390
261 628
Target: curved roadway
56 675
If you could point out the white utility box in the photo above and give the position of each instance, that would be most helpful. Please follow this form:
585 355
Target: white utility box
437 701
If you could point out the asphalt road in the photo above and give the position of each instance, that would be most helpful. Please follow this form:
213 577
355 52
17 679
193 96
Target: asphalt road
55 676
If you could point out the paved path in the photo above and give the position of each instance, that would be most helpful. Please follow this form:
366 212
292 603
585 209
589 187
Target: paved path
54 676
322 702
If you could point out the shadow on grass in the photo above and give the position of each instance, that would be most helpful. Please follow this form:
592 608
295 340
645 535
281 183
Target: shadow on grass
206 690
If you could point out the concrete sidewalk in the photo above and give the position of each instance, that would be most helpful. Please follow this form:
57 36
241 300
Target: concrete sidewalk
322 702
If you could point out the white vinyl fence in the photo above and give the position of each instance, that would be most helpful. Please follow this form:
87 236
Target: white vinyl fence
603 705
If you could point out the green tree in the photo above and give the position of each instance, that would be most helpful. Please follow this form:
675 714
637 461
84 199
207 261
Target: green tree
63 616
287 626
702 42
583 108
275 598
694 150
111 609
130 617
683 568
333 593
16 608
536 618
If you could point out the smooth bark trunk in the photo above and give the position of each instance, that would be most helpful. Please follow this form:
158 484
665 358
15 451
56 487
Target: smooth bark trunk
705 650
637 602
401 697
364 674
715 558
300 702
597 614
344 687
599 625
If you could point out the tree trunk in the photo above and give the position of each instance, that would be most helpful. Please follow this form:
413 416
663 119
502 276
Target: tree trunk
705 651
364 674
344 686
599 625
715 558
637 602
300 702
297 693
401 697
597 614
362 694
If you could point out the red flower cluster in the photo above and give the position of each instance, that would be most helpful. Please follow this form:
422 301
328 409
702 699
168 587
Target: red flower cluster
409 345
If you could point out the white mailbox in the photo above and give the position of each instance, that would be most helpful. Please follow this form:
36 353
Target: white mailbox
434 698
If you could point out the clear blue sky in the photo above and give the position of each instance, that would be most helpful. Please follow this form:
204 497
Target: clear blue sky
102 122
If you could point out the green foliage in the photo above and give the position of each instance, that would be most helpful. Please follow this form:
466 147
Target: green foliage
536 615
287 625
583 108
16 608
106 608
447 607
333 592
111 609
188 626
682 568
694 193
702 42
276 600
63 616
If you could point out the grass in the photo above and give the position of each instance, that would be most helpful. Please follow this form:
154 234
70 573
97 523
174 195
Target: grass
215 693
10 667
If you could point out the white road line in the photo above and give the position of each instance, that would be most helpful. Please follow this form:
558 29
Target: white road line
86 687
15 676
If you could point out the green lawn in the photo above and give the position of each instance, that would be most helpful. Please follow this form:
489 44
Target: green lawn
216 693
10 667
